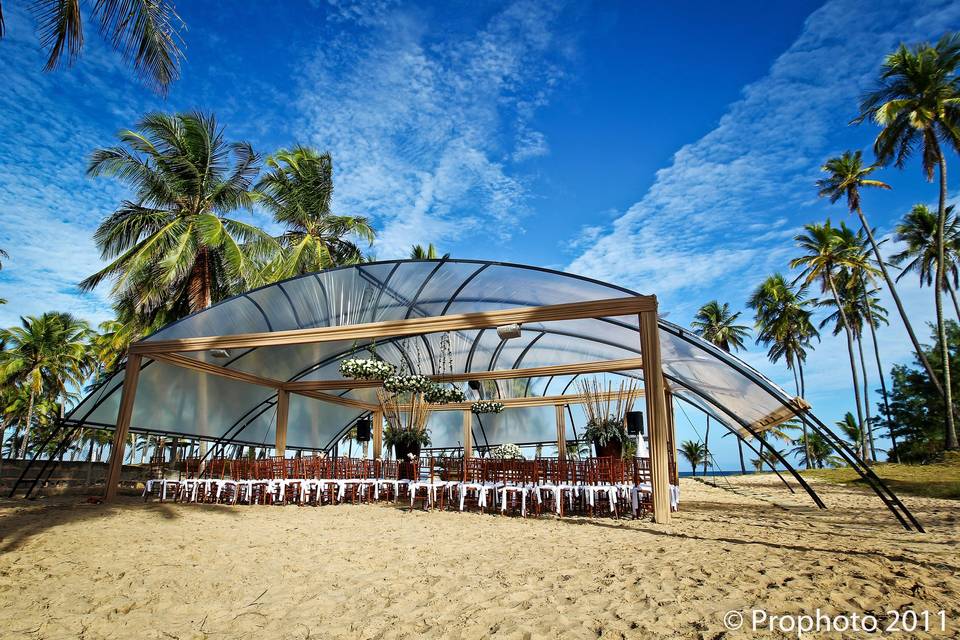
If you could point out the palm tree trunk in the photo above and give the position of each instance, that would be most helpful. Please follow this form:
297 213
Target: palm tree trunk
917 349
803 423
26 428
706 448
950 441
853 362
868 427
883 385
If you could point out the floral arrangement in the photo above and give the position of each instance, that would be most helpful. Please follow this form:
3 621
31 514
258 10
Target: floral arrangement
410 382
604 431
508 451
444 395
366 369
486 406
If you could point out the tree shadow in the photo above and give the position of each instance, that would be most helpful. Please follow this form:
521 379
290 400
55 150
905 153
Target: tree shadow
22 520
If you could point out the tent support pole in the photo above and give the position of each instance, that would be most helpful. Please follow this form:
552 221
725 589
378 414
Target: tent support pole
656 415
561 432
123 427
283 411
377 434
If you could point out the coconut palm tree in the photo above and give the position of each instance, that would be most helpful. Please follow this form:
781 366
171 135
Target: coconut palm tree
173 250
917 104
146 32
298 190
918 230
783 323
417 252
816 452
862 309
853 433
827 252
715 324
45 355
695 453
846 176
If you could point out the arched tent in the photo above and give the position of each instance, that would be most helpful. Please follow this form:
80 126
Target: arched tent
221 373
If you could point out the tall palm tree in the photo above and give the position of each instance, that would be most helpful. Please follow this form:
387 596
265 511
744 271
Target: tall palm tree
853 432
783 322
298 190
45 355
918 230
695 453
917 104
826 255
862 309
716 324
816 452
146 32
173 250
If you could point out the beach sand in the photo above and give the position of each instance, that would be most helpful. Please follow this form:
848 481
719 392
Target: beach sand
135 570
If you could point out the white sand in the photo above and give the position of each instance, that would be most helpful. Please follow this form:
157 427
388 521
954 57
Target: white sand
132 570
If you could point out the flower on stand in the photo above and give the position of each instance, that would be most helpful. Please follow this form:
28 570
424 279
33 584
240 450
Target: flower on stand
366 369
444 395
410 382
486 406
508 451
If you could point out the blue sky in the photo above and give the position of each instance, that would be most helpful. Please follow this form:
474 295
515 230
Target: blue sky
668 147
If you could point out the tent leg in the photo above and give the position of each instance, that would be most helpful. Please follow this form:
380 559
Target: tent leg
130 379
283 410
657 415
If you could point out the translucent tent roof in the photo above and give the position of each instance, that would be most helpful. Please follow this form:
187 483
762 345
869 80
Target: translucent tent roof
178 400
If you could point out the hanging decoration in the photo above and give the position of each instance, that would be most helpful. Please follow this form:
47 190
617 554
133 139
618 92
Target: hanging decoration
486 406
444 395
366 369
407 383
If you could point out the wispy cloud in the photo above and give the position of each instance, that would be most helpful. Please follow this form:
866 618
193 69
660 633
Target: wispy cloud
425 126
715 217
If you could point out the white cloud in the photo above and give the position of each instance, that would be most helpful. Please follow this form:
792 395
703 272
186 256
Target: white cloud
715 218
424 125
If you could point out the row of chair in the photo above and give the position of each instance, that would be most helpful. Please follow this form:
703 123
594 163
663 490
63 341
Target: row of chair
562 486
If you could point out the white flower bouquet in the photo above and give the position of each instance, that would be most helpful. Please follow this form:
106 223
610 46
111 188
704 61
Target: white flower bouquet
444 395
508 451
486 406
411 382
366 369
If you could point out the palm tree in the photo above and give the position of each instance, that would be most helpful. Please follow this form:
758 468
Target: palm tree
417 252
715 324
147 32
917 104
827 253
173 251
695 453
815 452
783 323
298 190
862 309
854 433
918 231
44 355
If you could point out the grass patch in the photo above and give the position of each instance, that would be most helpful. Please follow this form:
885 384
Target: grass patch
940 480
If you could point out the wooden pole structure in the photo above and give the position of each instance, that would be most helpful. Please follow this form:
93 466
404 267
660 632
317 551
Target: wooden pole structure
467 434
561 432
283 411
377 434
131 376
656 415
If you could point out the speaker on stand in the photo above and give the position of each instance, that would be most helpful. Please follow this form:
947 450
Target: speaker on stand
363 429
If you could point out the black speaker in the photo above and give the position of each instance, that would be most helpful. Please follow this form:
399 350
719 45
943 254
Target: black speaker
474 384
363 430
634 423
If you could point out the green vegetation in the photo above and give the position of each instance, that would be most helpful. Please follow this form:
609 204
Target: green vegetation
936 480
